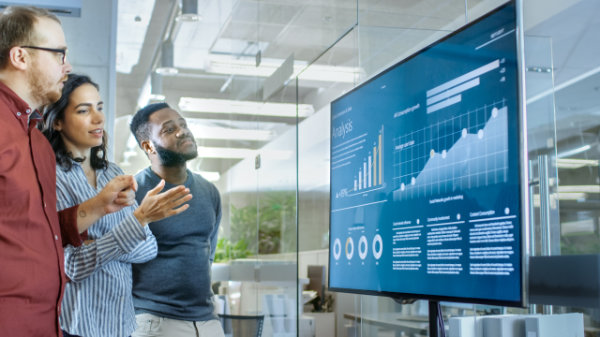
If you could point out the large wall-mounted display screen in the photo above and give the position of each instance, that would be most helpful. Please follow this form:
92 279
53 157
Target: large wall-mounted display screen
425 173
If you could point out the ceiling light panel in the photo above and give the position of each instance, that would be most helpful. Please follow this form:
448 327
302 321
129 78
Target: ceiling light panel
212 132
579 189
224 152
241 153
572 163
568 153
223 106
220 64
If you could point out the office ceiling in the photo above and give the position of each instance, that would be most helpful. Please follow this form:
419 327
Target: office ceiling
236 30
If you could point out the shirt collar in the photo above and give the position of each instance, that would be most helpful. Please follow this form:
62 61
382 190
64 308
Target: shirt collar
18 107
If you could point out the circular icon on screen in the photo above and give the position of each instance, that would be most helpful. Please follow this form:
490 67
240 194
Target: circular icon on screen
362 247
349 248
337 249
377 246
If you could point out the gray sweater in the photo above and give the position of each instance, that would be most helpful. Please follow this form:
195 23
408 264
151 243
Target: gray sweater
176 284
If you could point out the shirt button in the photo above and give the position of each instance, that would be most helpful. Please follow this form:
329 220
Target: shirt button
44 204
56 237
28 111
19 113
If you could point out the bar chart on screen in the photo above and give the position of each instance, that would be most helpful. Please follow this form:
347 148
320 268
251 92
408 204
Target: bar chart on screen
362 156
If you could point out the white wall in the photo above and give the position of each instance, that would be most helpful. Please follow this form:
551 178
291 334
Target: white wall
91 39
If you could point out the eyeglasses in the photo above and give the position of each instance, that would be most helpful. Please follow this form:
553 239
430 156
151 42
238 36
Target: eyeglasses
62 52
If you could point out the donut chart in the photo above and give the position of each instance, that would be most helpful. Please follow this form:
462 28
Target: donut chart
363 247
337 249
349 248
377 246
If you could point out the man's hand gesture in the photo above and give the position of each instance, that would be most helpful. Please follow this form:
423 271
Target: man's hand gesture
156 206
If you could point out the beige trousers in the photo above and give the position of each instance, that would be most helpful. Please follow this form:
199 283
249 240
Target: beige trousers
149 325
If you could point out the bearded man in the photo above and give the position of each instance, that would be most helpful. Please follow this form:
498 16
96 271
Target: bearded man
33 67
172 294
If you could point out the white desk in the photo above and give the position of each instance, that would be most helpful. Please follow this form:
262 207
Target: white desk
402 325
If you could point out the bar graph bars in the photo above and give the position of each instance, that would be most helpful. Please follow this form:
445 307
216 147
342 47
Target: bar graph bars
449 93
362 159
370 174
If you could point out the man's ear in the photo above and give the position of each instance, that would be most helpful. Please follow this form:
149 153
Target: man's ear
148 147
18 58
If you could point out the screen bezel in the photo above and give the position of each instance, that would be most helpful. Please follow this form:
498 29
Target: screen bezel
523 169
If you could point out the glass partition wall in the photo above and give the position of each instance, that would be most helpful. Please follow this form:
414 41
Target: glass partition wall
276 66
562 218
259 237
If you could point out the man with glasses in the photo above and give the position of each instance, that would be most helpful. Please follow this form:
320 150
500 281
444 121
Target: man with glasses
60 52
33 67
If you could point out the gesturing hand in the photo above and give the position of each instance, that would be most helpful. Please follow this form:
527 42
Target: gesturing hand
157 206
118 193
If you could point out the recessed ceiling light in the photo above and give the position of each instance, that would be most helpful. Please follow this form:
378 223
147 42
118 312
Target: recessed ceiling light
224 106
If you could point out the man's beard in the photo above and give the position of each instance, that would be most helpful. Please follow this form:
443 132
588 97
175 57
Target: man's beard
40 91
171 158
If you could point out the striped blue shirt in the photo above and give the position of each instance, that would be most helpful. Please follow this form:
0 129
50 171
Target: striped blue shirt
98 301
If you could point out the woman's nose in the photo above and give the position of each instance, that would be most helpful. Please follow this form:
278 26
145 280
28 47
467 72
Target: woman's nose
98 116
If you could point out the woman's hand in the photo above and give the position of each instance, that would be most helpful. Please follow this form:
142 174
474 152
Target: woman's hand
116 195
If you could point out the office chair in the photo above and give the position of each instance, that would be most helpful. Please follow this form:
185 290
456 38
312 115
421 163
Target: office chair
242 325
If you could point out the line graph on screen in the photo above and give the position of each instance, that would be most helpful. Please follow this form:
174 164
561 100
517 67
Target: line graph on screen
462 152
